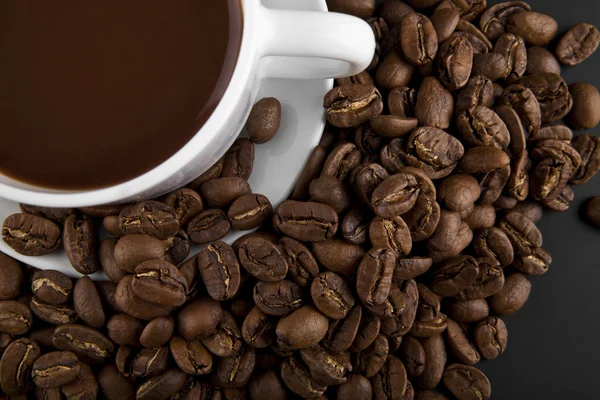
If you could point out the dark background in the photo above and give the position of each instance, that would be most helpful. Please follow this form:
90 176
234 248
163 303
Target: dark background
553 347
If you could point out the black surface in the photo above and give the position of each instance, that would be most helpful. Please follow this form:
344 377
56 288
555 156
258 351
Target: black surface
553 346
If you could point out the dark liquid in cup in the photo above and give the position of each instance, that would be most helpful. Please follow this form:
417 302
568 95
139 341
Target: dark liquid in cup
94 93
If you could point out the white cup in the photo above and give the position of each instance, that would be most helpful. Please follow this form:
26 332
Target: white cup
275 44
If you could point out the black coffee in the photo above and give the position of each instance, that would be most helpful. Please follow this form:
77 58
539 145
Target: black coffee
97 93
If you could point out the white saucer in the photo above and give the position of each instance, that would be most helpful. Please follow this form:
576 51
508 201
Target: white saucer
278 162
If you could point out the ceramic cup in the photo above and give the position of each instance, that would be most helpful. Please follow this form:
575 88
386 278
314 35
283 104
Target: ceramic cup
275 44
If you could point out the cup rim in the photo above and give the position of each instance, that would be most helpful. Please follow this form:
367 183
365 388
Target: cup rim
203 137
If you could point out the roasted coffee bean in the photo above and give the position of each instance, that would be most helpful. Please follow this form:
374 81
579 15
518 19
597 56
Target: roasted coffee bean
43 337
482 216
481 126
430 394
90 345
258 329
341 333
395 196
364 78
451 236
526 105
263 260
392 307
591 211
332 295
466 382
208 226
368 177
191 356
235 371
303 328
512 296
338 256
409 268
493 242
418 39
588 147
177 247
477 92
87 303
413 354
367 140
123 329
562 202
132 250
368 362
15 317
552 93
326 367
149 217
186 203
80 241
31 235
530 209
144 363
157 332
494 19
351 105
112 225
55 369
460 345
391 381
493 167
267 385
578 44
367 332
135 306
58 215
492 66
522 233
393 156
238 162
455 62
312 169
458 192
356 387
264 120
162 386
50 286
222 192
114 385
374 276
444 21
454 276
16 364
468 310
108 262
489 281
512 47
354 227
84 386
11 278
199 318
399 325
277 298
220 270
213 172
535 28
302 266
586 100
159 282
490 336
107 292
52 313
226 339
249 211
393 126
296 377
393 71
392 233
540 60
435 362
309 222
433 151
331 191
431 328
341 161
434 105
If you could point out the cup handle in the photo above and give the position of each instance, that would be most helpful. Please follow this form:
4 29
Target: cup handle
316 44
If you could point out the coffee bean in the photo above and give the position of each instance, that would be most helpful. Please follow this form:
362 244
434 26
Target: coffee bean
454 275
354 227
31 235
366 179
393 71
258 329
159 282
199 318
352 105
80 241
263 260
331 191
418 39
213 172
458 192
513 295
267 385
55 369
368 362
16 364
331 295
413 355
84 386
249 211
468 310
374 276
338 256
264 120
108 262
90 345
208 226
123 329
356 387
226 339
238 162
114 385
494 19
535 28
51 286
222 192
186 203
326 367
540 60
43 337
552 93
220 270
157 332
482 216
451 236
391 233
177 247
466 382
493 242
303 328
444 21
277 298
15 317
150 218
312 169
107 292
409 268
306 221
435 361
235 371
341 161
512 47
395 196
302 266
53 314
342 333
191 356
460 345
296 377
364 78
162 386
578 44
455 62
361 9
588 148
491 337
434 151
87 303
434 105
522 233
135 306
391 381
132 250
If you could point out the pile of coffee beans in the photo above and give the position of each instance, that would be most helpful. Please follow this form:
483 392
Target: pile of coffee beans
410 234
